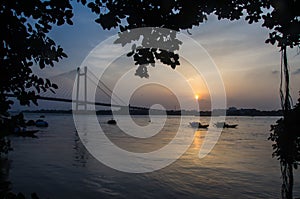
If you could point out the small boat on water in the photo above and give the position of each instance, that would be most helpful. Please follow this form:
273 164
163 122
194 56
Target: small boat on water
30 123
20 131
225 125
112 121
27 133
198 125
41 123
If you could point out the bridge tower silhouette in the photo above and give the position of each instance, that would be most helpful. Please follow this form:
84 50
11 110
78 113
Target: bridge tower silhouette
81 102
76 93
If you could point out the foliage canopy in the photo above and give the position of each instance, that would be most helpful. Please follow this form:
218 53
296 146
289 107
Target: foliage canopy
25 26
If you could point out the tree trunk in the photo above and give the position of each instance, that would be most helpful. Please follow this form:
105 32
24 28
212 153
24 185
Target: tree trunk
287 164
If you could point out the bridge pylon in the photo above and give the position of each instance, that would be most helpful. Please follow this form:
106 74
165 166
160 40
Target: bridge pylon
81 102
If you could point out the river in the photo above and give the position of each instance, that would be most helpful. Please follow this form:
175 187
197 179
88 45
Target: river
57 165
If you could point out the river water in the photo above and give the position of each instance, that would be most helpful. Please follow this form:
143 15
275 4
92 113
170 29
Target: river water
57 165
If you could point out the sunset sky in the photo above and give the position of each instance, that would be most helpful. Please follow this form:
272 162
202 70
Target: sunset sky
249 67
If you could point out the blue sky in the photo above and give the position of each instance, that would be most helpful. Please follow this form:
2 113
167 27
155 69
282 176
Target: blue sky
248 66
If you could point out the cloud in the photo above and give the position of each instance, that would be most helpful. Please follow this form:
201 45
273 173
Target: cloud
296 72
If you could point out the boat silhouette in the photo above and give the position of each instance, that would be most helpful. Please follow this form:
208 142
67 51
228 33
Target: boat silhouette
225 125
198 125
111 121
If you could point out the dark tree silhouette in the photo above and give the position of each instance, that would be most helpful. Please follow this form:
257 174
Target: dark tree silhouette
284 23
286 136
25 24
24 42
174 15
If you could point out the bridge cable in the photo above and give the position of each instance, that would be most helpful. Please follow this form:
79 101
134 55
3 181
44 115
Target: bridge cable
107 88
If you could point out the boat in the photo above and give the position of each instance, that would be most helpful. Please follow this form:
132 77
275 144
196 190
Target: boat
230 125
198 125
41 123
30 123
21 131
27 133
112 121
225 125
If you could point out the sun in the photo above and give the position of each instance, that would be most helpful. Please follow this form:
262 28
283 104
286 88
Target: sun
196 97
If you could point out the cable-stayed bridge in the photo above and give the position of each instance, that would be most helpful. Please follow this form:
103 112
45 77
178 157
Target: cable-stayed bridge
74 87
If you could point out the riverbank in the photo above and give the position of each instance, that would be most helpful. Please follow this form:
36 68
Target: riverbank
229 112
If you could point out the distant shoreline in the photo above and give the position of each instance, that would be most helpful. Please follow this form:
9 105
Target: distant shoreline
229 112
